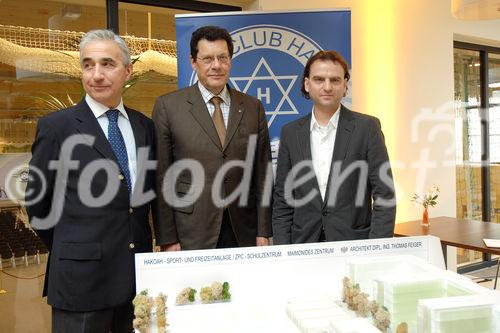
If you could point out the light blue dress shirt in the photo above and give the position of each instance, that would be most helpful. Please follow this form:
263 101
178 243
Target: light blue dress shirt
99 111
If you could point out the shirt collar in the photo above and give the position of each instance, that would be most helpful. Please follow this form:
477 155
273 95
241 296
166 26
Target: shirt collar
99 109
332 123
207 94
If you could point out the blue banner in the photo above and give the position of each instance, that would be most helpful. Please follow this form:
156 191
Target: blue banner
270 52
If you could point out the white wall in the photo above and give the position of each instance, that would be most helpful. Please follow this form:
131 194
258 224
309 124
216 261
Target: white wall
402 59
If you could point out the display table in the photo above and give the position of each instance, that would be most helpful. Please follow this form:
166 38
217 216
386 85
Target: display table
281 288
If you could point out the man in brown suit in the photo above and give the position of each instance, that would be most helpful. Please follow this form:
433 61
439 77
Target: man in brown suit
200 129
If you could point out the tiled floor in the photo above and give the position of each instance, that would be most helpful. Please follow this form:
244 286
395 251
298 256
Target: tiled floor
22 308
487 274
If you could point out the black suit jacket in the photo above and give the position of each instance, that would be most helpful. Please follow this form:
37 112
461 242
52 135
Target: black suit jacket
91 264
359 140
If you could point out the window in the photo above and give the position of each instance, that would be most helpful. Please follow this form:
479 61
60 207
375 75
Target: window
477 101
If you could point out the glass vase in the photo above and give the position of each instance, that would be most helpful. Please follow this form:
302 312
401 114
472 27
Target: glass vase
425 218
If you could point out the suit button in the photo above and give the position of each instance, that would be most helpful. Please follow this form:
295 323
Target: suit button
130 210
120 177
325 213
224 155
131 246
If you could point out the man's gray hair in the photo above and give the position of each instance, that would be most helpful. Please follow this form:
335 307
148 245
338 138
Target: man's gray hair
104 35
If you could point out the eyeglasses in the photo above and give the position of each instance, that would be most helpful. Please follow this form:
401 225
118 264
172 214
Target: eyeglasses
223 59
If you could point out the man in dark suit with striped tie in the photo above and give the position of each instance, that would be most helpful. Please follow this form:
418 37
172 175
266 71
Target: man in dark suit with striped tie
83 205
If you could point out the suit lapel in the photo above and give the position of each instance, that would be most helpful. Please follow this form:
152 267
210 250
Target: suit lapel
137 128
88 124
200 113
304 144
236 112
345 129
304 138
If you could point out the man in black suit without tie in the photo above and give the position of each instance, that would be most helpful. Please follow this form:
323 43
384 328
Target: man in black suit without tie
333 179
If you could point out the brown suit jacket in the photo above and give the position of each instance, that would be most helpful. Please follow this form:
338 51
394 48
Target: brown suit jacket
185 132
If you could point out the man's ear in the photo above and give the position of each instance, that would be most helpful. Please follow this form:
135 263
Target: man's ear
193 63
306 84
130 70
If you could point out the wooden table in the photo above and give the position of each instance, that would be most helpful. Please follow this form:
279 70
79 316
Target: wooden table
465 234
7 204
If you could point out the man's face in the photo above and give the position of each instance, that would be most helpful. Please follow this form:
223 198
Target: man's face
104 72
212 64
326 84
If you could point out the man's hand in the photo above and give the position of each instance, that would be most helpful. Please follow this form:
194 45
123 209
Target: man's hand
262 241
170 247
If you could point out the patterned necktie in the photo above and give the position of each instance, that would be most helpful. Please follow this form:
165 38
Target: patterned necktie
115 138
218 119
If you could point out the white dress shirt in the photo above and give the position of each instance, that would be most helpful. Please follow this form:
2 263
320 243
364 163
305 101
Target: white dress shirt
224 105
99 111
322 143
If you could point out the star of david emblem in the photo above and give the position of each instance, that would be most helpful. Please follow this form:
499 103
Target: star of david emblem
284 83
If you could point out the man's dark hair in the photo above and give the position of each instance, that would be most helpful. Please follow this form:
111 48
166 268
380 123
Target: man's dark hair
333 56
210 33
